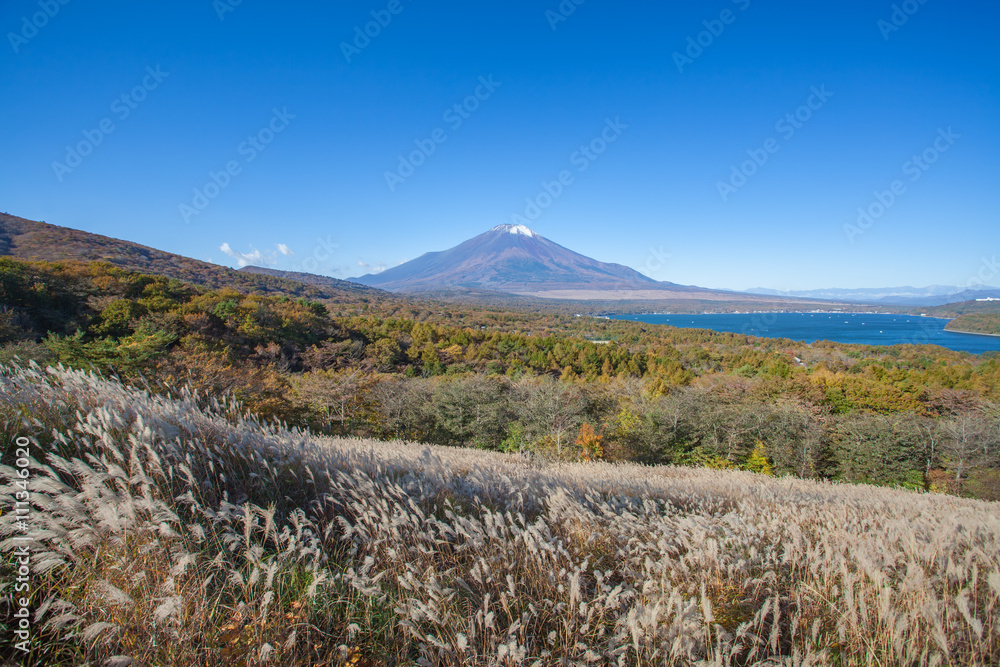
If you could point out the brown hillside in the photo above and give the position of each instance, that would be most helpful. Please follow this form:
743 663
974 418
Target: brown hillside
40 241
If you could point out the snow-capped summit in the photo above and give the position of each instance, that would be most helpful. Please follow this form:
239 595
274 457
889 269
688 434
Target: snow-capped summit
514 229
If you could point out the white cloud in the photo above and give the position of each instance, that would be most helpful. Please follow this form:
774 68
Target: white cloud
371 268
254 257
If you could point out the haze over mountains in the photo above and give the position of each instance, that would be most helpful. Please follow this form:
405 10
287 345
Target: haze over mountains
934 295
516 260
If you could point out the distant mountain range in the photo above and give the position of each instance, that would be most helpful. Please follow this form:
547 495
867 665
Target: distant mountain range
506 260
935 295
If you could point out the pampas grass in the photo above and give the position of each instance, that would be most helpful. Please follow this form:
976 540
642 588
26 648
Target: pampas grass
181 531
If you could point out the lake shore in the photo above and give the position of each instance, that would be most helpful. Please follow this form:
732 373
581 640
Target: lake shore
971 333
846 328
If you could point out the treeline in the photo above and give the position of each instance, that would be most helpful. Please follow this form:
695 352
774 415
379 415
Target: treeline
730 422
557 385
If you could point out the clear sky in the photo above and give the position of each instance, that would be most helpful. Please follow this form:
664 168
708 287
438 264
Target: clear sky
276 130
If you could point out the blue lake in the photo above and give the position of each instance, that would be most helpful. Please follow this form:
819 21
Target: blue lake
862 328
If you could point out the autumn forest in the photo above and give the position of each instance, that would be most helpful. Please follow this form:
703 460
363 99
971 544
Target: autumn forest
554 385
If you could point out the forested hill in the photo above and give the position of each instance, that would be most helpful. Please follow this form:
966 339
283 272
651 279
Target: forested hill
952 310
39 241
558 386
307 278
359 361
978 323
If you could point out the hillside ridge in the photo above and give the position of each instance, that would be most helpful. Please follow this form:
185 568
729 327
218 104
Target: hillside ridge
41 241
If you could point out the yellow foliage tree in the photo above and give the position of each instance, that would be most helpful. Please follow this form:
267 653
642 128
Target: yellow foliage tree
757 461
589 443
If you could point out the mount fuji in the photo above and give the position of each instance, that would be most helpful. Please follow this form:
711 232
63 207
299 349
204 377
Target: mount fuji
516 260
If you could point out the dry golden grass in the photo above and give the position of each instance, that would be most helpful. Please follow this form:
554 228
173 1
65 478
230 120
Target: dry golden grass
182 532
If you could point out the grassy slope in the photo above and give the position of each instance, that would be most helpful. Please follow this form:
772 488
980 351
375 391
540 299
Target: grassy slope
196 535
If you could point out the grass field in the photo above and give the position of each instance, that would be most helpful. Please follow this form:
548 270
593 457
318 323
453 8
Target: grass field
178 531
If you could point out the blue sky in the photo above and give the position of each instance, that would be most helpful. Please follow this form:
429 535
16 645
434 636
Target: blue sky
252 127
